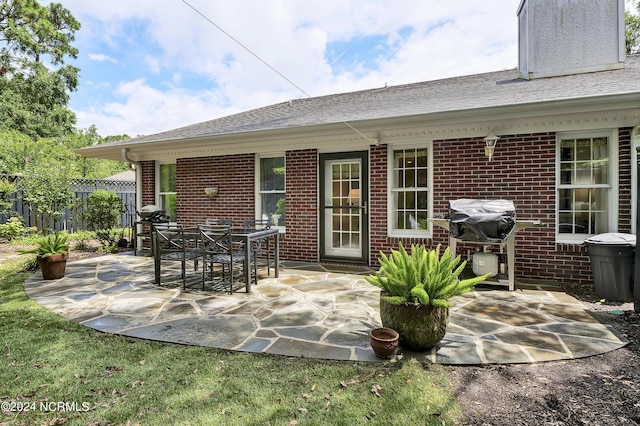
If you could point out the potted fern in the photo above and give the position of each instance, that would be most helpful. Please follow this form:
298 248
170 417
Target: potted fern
52 253
415 290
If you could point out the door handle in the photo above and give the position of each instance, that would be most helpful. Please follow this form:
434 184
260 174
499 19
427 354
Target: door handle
363 207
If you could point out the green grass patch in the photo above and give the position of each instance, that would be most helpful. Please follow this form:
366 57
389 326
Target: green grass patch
107 379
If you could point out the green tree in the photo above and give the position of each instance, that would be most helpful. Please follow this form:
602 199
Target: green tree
47 189
7 189
19 150
93 167
33 94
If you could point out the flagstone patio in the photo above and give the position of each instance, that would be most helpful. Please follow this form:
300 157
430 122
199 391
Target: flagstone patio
316 311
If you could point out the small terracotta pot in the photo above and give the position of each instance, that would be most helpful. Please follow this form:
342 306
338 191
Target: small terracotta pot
53 267
384 341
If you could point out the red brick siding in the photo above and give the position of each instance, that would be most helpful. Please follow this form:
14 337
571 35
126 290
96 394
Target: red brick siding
148 182
301 240
522 170
378 172
233 175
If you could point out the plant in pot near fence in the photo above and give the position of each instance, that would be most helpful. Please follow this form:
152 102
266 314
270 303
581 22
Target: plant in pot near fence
415 290
52 253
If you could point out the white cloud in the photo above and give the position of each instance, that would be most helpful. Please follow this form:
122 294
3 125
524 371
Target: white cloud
101 58
424 39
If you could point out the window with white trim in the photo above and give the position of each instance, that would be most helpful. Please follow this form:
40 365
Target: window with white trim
411 194
271 190
167 195
586 185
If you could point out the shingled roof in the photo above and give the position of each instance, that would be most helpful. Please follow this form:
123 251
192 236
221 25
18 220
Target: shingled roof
487 90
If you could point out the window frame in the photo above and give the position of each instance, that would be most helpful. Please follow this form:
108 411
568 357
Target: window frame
611 208
391 190
259 192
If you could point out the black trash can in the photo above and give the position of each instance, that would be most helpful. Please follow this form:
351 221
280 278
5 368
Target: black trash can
612 258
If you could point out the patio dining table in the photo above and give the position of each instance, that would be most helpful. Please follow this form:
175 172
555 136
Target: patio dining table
247 238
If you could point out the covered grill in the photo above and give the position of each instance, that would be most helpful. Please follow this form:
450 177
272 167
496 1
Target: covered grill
488 221
153 214
149 216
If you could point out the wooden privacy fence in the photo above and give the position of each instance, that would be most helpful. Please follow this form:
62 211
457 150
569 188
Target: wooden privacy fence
82 188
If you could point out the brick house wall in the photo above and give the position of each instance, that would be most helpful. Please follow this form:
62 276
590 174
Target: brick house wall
148 182
522 170
301 239
234 175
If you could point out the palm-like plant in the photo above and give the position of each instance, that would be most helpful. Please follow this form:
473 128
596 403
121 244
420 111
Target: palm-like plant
422 276
50 245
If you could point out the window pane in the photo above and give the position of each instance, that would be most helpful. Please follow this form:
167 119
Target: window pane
421 156
272 174
583 150
422 202
566 173
422 178
410 178
400 202
566 150
168 203
167 178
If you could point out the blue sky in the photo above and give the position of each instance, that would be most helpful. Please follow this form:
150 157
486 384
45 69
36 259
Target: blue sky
153 65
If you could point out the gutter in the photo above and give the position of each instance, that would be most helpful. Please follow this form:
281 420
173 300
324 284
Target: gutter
135 166
125 157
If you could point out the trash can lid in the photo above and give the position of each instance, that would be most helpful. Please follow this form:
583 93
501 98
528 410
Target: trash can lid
613 238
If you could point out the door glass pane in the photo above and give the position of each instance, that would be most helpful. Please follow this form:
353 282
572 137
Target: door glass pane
345 192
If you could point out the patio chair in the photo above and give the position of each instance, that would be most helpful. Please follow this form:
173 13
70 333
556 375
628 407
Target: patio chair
261 245
217 247
219 221
170 243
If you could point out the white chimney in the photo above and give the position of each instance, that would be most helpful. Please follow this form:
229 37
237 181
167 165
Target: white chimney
560 37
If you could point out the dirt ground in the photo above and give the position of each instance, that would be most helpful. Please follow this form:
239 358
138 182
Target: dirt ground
598 390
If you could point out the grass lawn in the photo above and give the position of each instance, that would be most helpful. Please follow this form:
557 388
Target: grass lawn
47 361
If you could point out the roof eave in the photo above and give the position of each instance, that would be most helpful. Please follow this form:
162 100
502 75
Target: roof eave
272 139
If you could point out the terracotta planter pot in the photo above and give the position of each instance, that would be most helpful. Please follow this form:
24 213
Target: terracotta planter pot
53 267
384 341
420 327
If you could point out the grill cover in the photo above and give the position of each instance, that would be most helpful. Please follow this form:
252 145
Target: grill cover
481 220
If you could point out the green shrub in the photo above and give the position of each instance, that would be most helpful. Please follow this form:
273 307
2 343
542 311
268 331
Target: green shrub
102 213
14 228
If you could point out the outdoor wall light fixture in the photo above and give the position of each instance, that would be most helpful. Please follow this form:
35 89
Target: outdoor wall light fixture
211 191
490 142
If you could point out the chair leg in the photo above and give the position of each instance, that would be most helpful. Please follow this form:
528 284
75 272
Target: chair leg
204 272
184 274
268 260
255 269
